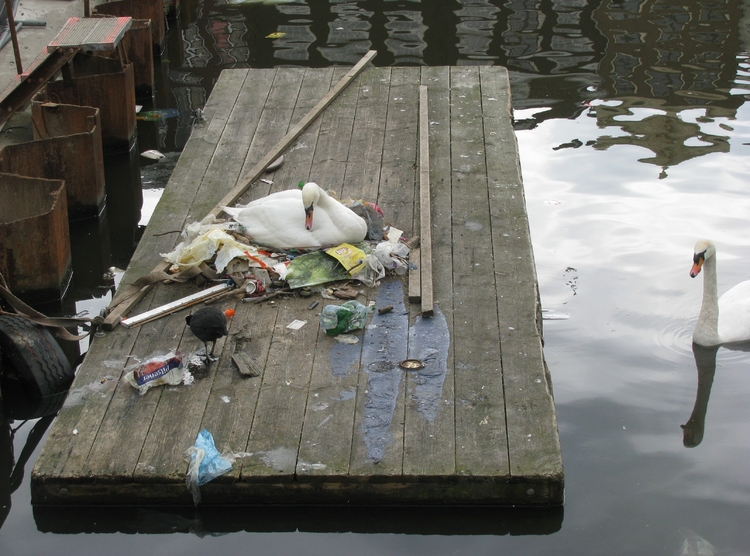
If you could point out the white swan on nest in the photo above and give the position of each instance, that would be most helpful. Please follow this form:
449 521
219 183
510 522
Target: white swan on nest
306 218
722 320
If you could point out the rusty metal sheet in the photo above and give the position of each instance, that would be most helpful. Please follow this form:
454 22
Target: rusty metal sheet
35 256
24 86
91 33
107 84
67 146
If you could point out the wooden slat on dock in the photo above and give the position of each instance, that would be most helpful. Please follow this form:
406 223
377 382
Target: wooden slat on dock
329 423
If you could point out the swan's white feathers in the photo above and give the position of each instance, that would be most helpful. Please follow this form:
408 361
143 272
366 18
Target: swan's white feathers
724 320
278 220
734 314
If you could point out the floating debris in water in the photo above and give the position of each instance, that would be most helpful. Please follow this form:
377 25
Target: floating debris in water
554 315
152 154
695 545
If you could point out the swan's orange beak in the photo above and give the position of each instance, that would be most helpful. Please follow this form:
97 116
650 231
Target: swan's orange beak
309 217
697 264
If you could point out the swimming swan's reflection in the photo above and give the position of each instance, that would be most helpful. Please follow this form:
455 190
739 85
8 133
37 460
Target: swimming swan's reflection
705 361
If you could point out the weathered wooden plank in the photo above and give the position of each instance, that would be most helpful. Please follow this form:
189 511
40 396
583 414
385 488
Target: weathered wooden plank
77 424
378 437
532 425
326 443
299 156
430 443
397 191
277 425
245 122
231 406
481 437
425 218
293 133
275 119
174 205
363 173
125 425
333 144
366 146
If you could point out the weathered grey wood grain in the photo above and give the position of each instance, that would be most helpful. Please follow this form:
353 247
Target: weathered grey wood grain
230 408
122 434
277 426
430 443
481 435
275 119
334 137
366 147
297 164
534 447
314 426
172 210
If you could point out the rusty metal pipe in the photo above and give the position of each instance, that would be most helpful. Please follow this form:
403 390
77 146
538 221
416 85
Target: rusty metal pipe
13 35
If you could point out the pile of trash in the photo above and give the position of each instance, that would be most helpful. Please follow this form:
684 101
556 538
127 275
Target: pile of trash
222 250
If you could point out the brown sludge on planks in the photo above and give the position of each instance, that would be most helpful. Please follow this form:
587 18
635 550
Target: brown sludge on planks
324 422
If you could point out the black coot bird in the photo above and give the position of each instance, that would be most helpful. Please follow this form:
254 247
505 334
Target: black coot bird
208 324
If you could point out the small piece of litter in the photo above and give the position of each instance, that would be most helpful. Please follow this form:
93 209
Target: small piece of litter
347 339
75 431
296 324
264 180
152 154
225 399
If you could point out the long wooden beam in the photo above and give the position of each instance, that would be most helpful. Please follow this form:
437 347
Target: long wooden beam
425 218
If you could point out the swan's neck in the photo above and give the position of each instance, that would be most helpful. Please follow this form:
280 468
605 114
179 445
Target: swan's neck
707 328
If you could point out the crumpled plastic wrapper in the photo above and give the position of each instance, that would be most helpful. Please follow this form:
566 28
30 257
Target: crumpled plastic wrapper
206 463
205 240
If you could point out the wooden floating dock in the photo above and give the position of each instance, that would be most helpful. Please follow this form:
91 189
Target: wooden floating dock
328 423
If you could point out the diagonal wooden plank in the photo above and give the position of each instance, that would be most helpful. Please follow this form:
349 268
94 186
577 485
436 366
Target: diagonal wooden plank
231 197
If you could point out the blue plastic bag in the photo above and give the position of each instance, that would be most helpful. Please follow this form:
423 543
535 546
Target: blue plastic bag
206 463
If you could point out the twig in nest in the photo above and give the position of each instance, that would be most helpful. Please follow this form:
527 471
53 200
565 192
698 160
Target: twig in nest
167 233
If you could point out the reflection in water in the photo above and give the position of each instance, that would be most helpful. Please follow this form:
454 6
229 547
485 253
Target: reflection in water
665 133
206 521
660 55
705 362
12 468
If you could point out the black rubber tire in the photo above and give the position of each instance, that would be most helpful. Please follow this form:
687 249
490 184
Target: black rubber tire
31 356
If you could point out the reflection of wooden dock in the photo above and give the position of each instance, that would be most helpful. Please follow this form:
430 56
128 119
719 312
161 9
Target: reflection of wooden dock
328 423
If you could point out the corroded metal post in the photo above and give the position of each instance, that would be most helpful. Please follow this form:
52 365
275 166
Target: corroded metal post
13 35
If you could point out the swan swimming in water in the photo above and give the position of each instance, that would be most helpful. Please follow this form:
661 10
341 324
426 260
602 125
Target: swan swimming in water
306 218
722 320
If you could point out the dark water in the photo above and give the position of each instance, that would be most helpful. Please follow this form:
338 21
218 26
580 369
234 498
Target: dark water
634 137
